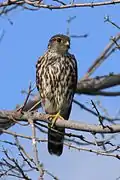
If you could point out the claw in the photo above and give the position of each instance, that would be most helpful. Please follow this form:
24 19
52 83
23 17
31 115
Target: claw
54 118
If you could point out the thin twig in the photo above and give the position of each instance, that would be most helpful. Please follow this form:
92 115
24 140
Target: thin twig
111 120
101 58
99 116
35 150
103 153
30 90
107 19
60 2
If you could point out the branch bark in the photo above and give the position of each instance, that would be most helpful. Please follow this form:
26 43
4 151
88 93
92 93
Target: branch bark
91 86
39 4
73 125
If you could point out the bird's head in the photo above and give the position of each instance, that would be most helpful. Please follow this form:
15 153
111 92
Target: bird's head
59 43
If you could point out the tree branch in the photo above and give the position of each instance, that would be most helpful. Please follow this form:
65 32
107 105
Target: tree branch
73 125
92 85
39 4
103 56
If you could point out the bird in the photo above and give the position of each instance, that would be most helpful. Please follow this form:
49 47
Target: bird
56 81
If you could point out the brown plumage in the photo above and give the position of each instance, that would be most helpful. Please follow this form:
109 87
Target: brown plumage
56 79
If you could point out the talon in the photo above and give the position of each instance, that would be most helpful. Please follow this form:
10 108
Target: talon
54 118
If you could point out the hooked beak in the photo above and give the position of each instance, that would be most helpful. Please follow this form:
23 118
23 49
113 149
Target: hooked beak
67 44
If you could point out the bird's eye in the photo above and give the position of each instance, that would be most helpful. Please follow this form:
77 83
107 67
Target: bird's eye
58 40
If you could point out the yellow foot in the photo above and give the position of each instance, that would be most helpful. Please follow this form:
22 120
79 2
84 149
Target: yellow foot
54 117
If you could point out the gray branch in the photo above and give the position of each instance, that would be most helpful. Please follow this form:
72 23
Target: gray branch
73 125
39 4
91 86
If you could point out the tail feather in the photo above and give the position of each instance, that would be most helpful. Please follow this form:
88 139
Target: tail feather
55 141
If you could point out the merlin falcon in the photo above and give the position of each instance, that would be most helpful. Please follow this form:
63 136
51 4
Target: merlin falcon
56 80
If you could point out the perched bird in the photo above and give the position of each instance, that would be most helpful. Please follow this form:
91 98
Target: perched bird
56 80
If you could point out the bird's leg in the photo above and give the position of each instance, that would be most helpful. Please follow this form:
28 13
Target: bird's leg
54 118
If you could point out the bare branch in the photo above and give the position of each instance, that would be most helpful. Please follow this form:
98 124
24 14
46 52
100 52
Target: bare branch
73 125
111 120
99 116
102 57
14 166
30 89
39 4
60 2
97 152
91 86
35 150
107 19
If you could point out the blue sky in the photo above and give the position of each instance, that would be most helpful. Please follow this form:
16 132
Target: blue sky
24 42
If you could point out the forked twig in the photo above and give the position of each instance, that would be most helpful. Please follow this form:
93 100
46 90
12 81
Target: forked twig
101 58
99 116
